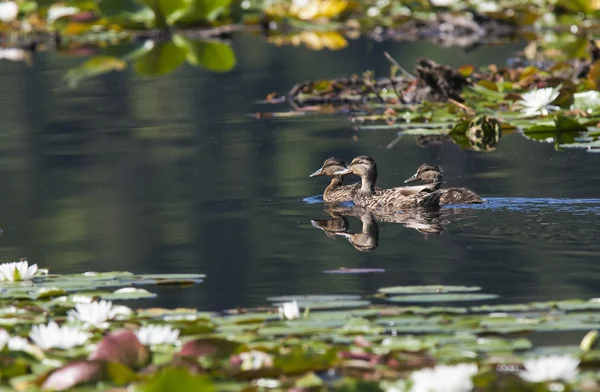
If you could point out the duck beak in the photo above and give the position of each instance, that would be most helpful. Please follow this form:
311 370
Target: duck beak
317 173
343 172
412 178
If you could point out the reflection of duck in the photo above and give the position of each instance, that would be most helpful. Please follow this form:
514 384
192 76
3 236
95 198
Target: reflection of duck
368 239
399 198
335 191
434 174
336 224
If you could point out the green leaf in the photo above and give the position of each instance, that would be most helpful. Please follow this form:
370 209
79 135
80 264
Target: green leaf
204 10
213 56
176 379
164 58
168 11
568 124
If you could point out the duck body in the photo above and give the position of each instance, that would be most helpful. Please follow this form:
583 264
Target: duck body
393 199
433 174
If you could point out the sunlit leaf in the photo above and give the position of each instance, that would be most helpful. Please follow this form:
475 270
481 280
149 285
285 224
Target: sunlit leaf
204 10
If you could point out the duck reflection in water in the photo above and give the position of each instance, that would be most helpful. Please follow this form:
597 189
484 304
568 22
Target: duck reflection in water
427 223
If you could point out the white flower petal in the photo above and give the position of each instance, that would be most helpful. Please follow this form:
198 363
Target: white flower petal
8 11
442 378
97 313
53 336
549 368
289 310
17 271
4 338
157 334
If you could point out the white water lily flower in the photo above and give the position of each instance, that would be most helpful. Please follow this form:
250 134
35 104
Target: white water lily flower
98 313
14 272
150 335
549 368
4 338
14 54
58 11
17 343
442 3
587 100
443 378
289 310
8 11
54 336
538 101
254 360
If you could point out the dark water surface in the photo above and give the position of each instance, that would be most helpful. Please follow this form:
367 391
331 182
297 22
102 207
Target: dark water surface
172 174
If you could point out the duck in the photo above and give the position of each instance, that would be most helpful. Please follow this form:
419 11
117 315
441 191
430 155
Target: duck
393 199
434 174
336 192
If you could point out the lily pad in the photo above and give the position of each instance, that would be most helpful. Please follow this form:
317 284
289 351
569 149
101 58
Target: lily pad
428 289
442 297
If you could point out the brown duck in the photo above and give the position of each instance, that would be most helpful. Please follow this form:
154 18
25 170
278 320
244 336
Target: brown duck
393 199
335 191
433 174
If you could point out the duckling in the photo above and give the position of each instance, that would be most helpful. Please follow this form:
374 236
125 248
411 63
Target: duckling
399 198
433 174
335 191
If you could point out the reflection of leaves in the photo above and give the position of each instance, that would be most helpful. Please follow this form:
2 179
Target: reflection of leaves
165 57
95 66
214 56
313 40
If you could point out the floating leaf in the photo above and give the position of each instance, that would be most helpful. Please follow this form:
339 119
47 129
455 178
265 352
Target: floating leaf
124 347
428 289
75 373
177 379
354 271
442 297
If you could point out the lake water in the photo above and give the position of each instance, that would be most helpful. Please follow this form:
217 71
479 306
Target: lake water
174 174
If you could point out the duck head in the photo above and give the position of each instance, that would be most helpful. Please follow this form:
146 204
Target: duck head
364 167
330 167
361 166
427 173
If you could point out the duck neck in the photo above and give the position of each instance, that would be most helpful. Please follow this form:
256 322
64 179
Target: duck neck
336 182
368 181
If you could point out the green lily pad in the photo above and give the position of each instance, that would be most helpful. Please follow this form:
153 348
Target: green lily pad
442 297
428 289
